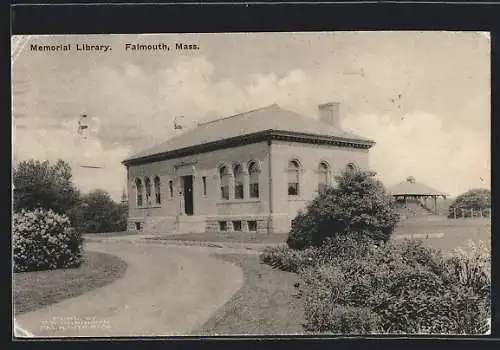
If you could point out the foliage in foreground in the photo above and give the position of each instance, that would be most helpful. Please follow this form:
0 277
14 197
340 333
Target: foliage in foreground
358 203
390 288
44 240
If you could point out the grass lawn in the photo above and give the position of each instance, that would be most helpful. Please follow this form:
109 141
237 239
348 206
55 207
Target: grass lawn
265 305
34 290
446 234
230 237
110 234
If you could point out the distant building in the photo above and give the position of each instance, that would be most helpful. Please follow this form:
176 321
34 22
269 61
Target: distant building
413 197
248 172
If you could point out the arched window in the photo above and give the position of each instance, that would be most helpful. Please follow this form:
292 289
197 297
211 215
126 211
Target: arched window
253 172
147 184
238 181
157 190
138 186
323 177
351 166
293 178
224 182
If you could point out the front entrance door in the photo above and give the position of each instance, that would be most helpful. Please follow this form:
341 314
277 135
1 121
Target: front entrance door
188 194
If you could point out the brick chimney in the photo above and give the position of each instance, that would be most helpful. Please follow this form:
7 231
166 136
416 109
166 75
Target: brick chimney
329 113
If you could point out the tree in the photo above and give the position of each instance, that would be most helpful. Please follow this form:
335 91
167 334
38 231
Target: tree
99 213
359 204
476 199
42 185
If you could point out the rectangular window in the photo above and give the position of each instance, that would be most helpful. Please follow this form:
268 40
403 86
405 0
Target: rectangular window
171 189
252 226
222 226
224 190
254 190
293 188
237 225
204 179
238 191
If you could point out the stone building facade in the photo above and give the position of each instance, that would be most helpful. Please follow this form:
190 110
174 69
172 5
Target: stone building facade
250 172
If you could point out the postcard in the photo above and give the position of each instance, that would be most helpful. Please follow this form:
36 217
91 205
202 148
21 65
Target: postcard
277 183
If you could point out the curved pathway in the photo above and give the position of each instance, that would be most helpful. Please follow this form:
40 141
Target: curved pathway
167 290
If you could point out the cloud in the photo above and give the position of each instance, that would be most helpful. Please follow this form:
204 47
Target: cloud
419 145
64 143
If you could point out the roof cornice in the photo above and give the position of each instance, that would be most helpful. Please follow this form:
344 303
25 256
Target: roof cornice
249 139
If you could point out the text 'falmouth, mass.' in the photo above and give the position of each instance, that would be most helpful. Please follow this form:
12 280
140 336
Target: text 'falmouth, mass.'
160 47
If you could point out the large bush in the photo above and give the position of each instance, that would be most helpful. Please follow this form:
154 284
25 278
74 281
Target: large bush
359 203
400 288
349 246
44 240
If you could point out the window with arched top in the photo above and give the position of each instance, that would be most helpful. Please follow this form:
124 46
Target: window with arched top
293 178
157 190
138 187
238 181
253 173
351 166
224 182
323 177
147 184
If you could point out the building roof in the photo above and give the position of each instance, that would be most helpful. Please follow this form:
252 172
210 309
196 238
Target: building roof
260 121
412 188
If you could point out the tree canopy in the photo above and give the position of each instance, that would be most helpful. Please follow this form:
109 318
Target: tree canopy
476 199
43 185
98 212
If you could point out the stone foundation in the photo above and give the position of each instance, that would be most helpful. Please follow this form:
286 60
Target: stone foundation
265 224
277 223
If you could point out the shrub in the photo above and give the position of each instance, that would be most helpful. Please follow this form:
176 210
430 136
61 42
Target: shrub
471 269
44 240
344 246
342 319
287 259
359 204
409 287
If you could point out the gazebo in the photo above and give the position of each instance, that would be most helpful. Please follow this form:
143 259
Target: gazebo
415 191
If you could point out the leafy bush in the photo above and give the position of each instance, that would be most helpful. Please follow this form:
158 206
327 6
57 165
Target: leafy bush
409 288
342 319
44 240
287 259
359 204
347 246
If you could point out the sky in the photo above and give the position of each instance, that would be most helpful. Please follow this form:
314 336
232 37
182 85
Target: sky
423 97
